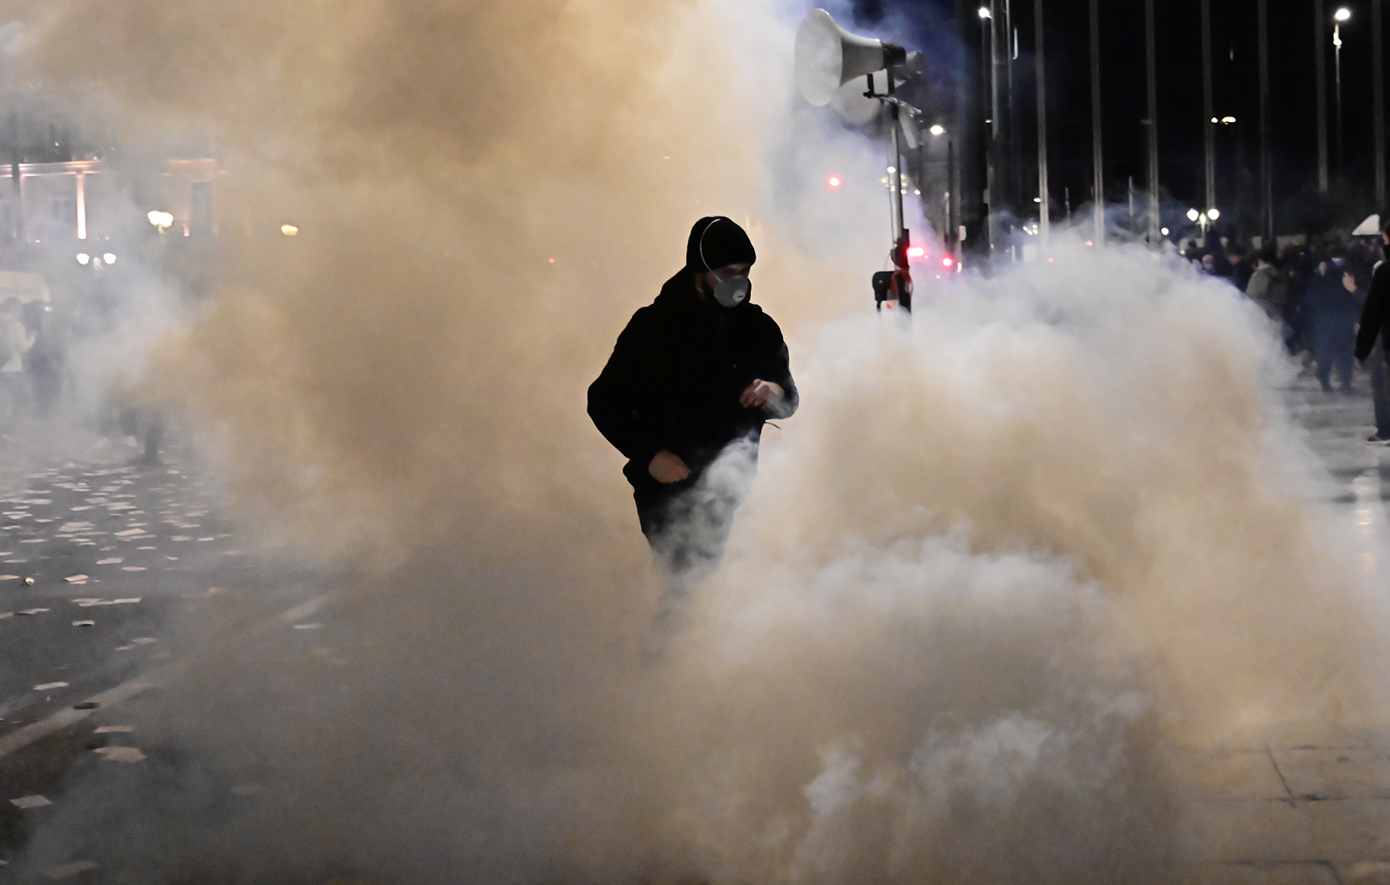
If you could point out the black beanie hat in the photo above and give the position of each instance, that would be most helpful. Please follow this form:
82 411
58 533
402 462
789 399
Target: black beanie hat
716 241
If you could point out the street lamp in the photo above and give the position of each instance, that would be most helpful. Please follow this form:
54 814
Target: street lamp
161 220
1203 219
950 233
1340 17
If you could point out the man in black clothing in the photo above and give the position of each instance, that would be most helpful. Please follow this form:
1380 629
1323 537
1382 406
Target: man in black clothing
1371 340
685 394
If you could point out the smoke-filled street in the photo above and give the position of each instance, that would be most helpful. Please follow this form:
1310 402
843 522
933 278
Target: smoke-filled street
658 442
111 566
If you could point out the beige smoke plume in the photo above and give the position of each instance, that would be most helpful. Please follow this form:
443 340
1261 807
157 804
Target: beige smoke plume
997 565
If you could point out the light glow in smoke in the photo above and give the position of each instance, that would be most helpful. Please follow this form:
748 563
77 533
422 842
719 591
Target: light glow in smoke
1006 557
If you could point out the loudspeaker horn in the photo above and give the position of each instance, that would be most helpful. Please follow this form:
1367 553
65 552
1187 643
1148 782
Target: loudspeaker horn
828 57
851 104
855 108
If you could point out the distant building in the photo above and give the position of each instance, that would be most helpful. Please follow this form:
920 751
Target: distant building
64 178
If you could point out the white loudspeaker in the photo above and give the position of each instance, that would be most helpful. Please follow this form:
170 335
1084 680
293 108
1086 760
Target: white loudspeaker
828 57
855 108
851 104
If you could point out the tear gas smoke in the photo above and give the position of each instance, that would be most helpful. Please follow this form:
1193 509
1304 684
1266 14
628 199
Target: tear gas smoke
999 566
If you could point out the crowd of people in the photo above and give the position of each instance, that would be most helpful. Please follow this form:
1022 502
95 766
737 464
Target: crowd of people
1319 297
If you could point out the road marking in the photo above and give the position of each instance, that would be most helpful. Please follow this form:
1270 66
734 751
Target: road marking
35 731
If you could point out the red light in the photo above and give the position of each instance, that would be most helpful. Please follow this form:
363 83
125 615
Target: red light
948 261
916 252
834 182
1090 242
552 261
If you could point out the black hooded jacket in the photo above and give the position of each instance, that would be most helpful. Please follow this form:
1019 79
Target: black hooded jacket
1375 314
676 374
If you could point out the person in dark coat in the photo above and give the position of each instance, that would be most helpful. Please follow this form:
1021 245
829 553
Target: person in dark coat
1370 342
1330 312
684 396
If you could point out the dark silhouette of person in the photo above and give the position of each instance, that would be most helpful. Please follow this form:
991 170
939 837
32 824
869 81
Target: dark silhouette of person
692 379
1371 339
1331 309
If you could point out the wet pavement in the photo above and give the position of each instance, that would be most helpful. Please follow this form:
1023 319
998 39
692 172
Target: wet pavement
113 575
109 569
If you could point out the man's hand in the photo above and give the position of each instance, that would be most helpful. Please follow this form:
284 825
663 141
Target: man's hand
667 467
760 394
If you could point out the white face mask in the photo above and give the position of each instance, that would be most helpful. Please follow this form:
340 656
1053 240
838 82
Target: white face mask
730 291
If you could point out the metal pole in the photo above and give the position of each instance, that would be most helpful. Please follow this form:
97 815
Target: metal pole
1044 221
967 169
953 185
986 75
1378 112
1151 58
1337 54
1208 111
1097 162
1011 121
895 173
997 200
1320 81
1266 159
1131 201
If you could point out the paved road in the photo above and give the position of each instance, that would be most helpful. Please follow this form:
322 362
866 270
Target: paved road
106 568
105 564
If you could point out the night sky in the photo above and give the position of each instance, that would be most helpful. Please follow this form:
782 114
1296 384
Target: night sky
929 25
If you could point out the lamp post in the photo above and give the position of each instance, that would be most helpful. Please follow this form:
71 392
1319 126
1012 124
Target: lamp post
1097 161
1044 219
1266 158
990 99
948 221
1155 233
1203 220
1378 96
1340 17
1320 85
1208 133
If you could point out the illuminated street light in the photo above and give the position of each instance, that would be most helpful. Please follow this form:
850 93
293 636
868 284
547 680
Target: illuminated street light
1213 214
1193 215
83 258
289 230
834 181
161 220
1341 16
937 129
109 257
984 12
1227 121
